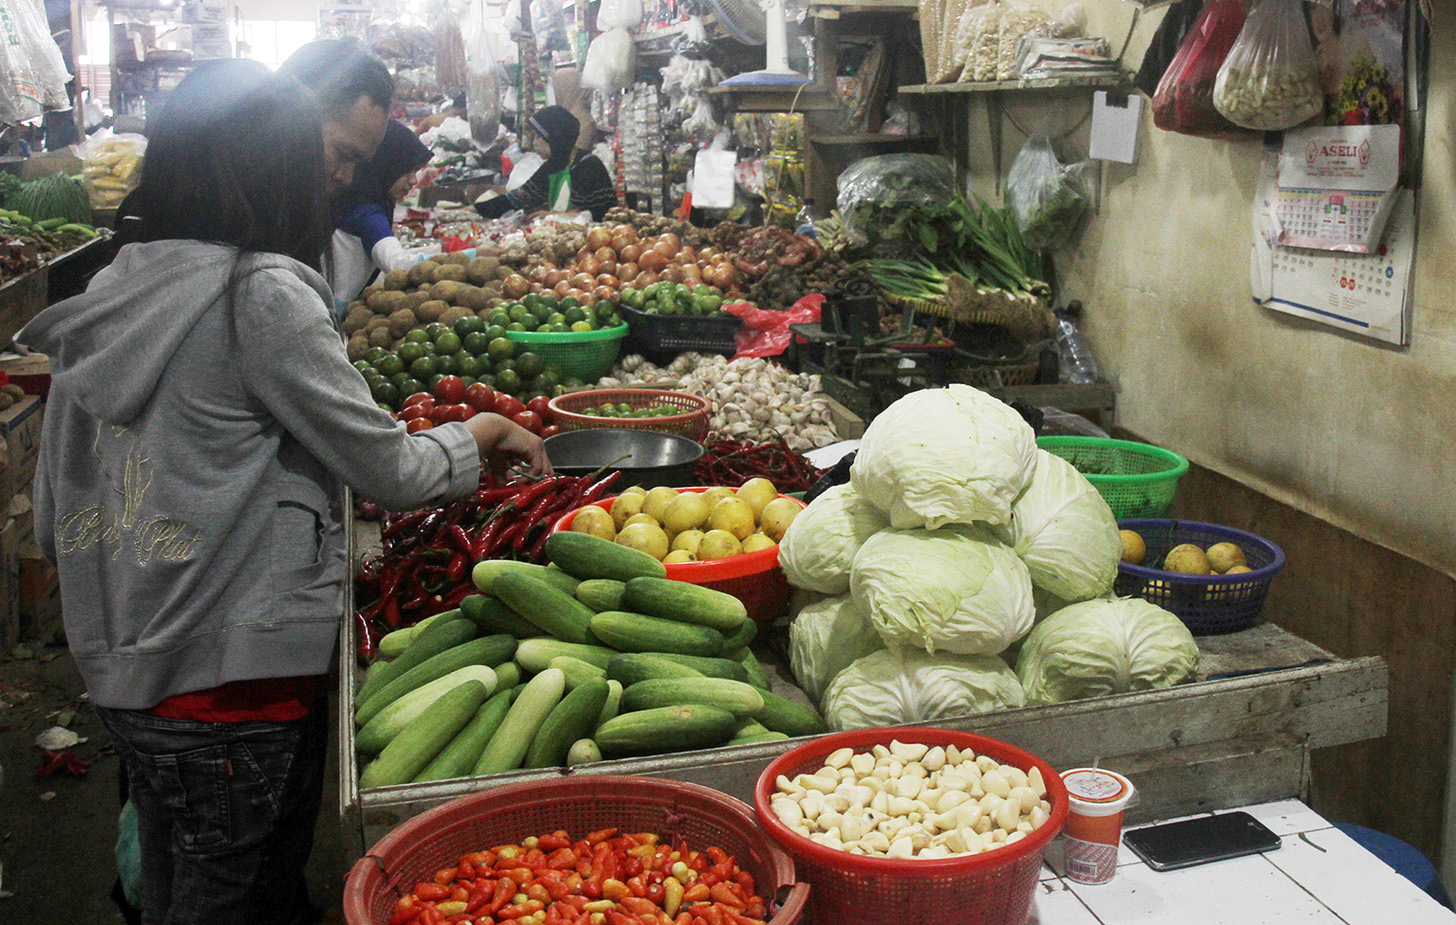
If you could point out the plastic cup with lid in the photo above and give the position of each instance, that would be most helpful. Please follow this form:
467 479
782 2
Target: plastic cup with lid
1093 831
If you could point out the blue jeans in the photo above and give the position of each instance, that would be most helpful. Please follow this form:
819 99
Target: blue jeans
225 812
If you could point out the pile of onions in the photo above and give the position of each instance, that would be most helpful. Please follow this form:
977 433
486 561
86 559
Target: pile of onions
616 257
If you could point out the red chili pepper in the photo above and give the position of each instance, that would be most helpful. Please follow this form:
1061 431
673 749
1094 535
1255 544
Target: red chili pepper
489 539
453 599
461 540
367 643
492 497
599 490
392 614
404 522
459 567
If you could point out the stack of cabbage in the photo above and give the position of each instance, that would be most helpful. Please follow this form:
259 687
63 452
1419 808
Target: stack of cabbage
953 537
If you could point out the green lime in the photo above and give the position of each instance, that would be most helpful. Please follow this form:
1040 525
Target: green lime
548 380
375 354
411 387
624 407
363 366
385 393
430 348
572 382
581 327
530 365
423 368
520 313
494 331
401 380
545 329
410 350
475 343
446 365
470 324
468 380
448 342
435 328
507 380
488 379
556 318
469 368
372 378
389 366
498 317
559 328
417 336
575 314
531 301
501 349
515 326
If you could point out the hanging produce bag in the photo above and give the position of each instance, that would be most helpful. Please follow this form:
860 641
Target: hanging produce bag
1270 80
1165 44
609 61
1184 101
1047 197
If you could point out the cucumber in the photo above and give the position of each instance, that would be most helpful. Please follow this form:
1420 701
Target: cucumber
613 706
634 632
582 751
507 674
397 716
756 675
571 719
489 651
629 668
409 752
429 642
549 608
587 557
492 616
392 645
759 737
748 726
601 594
782 715
485 573
535 655
734 696
577 671
710 667
746 632
459 757
678 600
676 728
507 748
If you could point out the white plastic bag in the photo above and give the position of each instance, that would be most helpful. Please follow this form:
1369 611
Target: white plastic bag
608 61
619 14
45 57
1270 80
20 88
1046 196
482 85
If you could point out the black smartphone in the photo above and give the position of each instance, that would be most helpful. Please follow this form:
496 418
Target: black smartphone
1174 845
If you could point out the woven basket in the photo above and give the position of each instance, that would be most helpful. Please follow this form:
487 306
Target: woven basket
691 423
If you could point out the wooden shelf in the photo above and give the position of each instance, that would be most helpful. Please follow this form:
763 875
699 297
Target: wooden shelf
868 140
652 37
996 86
833 9
771 98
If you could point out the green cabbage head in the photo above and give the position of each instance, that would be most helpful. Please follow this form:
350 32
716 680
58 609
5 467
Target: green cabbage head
819 547
1105 647
825 638
888 689
1065 533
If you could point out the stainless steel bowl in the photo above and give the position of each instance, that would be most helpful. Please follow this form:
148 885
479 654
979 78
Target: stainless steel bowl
644 457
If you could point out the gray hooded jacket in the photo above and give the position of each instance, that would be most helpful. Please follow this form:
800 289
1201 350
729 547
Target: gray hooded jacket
191 462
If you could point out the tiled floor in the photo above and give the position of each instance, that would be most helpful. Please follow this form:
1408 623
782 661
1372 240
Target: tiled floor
1318 875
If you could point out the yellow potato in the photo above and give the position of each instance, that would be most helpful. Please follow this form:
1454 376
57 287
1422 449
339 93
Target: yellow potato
758 493
636 490
595 521
1186 559
678 555
1134 550
648 538
733 515
642 519
713 495
718 544
1225 556
756 542
625 506
688 511
687 541
777 516
657 502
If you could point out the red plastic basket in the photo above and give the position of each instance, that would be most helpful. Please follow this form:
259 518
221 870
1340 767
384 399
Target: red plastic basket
754 577
691 423
579 804
991 888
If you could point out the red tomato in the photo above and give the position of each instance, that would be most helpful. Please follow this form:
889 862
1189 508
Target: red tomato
418 424
542 406
437 414
458 412
411 412
529 420
550 431
420 398
481 397
450 390
508 406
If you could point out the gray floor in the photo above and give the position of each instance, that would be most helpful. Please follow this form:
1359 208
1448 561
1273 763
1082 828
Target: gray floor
57 833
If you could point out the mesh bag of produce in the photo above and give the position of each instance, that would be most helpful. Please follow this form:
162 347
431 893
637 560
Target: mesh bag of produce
1184 101
1270 80
888 183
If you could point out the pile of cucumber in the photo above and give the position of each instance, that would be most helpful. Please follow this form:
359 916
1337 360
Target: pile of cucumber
596 656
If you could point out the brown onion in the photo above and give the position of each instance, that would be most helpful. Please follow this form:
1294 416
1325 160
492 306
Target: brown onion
644 279
672 273
687 255
625 231
671 239
515 286
653 260
620 241
583 280
562 288
605 253
607 266
553 277
691 273
630 253
598 237
665 248
627 272
604 293
611 282
591 266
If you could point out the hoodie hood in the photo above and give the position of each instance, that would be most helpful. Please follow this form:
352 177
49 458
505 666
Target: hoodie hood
110 345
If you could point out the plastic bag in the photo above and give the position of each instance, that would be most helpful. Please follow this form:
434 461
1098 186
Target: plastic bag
1270 80
608 61
765 332
45 56
890 182
1046 196
983 40
1184 100
619 14
482 84
129 854
1165 44
20 89
111 167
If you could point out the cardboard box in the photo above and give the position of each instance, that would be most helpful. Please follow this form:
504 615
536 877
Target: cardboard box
20 429
31 372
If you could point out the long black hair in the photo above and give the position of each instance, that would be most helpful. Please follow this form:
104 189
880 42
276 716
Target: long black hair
238 158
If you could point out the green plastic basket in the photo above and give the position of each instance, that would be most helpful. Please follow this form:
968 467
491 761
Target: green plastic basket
1136 479
585 355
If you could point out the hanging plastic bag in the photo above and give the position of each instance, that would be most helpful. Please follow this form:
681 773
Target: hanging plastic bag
619 14
1270 80
765 332
111 167
608 61
20 89
877 191
482 84
1184 100
1047 197
45 56
1165 44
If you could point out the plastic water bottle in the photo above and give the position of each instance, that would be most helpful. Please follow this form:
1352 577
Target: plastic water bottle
1075 363
804 221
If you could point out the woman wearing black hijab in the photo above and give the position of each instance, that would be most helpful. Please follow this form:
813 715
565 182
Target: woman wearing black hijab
568 181
364 238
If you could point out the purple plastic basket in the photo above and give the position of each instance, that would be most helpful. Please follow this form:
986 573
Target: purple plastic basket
1207 604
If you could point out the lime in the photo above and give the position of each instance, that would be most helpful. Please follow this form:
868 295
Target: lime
410 350
504 365
423 368
545 329
530 365
401 380
448 342
515 326
468 380
507 380
520 313
501 349
572 382
385 393
372 378
476 342
445 365
559 328
494 331
574 314
389 365
531 301
430 348
417 336
488 379
363 365
548 380
556 318
624 407
410 387
375 354
498 317
470 324
469 368
581 327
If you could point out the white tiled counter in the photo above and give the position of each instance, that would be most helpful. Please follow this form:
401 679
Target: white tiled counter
1318 875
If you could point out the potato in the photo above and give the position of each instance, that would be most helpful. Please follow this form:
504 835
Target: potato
688 541
504 273
457 258
396 279
413 300
358 346
688 511
648 538
677 556
384 303
1134 550
595 521
643 518
481 270
1225 556
626 505
378 321
471 297
757 493
718 544
446 291
453 314
431 311
356 320
657 502
402 322
756 542
732 515
380 337
1186 559
777 516
421 273
451 271
369 291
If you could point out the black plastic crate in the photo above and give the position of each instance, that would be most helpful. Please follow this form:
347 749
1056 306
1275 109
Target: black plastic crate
671 334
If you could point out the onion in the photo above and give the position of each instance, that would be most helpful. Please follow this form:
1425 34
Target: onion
605 253
687 255
604 293
562 288
620 241
598 237
691 273
673 273
583 280
610 281
608 266
630 253
573 293
587 298
515 286
627 272
582 254
644 279
653 260
665 248
625 231
591 266
554 278
671 239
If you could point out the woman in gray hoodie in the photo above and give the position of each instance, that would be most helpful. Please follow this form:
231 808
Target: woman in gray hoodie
202 422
